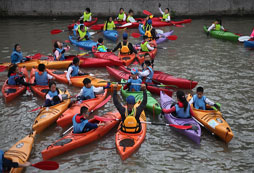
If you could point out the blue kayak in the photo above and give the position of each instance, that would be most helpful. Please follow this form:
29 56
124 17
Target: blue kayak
111 34
140 28
249 44
88 44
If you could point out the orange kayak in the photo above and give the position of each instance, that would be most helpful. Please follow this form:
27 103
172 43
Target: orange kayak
214 122
72 141
66 118
49 115
12 91
127 59
40 90
127 143
151 53
28 64
20 152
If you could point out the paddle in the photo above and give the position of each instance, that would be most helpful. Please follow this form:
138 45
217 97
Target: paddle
176 25
46 165
3 68
146 122
159 84
97 107
137 35
147 13
214 108
243 38
56 31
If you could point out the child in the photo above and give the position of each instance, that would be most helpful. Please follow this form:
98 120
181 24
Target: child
87 17
101 47
53 96
199 101
145 46
121 16
130 17
42 77
83 33
77 26
134 79
15 77
216 26
165 14
125 47
81 124
87 92
73 70
109 24
182 109
59 51
16 56
147 73
147 58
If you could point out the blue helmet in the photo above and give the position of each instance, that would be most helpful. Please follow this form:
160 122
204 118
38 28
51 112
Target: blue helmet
125 35
130 100
134 71
149 21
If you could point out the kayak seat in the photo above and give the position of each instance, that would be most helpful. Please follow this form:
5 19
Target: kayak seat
126 143
10 90
58 72
44 90
63 142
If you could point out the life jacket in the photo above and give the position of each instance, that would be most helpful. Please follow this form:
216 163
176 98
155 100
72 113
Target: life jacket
1 160
165 16
217 27
78 126
75 70
134 81
87 16
180 111
144 25
82 34
100 46
148 79
125 49
121 16
199 103
88 92
130 124
128 18
53 94
11 79
62 56
41 78
16 57
109 26
144 47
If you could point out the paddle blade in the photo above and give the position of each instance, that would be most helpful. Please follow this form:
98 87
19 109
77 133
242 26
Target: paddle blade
67 41
180 126
56 31
46 165
102 103
147 13
136 35
125 25
243 38
3 68
35 109
172 37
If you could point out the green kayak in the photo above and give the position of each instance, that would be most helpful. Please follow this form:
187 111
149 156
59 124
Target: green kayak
223 35
152 105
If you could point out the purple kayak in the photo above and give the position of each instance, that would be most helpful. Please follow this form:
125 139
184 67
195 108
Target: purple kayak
194 134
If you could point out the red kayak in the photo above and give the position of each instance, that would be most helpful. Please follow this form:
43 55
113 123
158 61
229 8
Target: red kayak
118 74
106 55
40 90
134 25
158 23
168 79
94 20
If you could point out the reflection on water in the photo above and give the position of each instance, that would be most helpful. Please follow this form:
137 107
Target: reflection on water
224 69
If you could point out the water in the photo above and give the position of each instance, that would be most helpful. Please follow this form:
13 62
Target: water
224 69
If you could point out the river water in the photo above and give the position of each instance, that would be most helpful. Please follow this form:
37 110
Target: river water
224 69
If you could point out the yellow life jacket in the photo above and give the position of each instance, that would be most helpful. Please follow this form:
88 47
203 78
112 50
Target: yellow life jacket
165 16
144 47
87 16
82 34
127 20
125 49
120 16
109 26
130 123
148 31
217 27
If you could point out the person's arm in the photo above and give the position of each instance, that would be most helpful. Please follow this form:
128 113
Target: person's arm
132 20
90 19
117 47
82 17
161 11
222 27
118 105
57 55
98 90
191 101
167 111
168 19
50 77
68 74
67 48
124 17
144 73
209 102
80 93
149 47
48 97
60 97
132 49
142 105
211 27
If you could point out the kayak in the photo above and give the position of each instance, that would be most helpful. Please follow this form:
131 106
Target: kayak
213 121
128 143
222 35
20 152
94 20
249 44
106 55
195 134
118 24
40 90
76 80
28 64
152 105
118 74
111 35
88 44
169 79
66 118
10 92
49 115
72 141
158 23
163 37
152 53
127 59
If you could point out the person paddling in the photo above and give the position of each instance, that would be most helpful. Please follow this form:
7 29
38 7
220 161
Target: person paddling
130 17
121 16
217 26
147 57
165 14
42 77
109 25
59 51
16 56
134 79
81 124
125 47
7 164
101 47
53 96
83 33
200 101
145 46
182 109
76 27
150 31
87 16
15 77
130 114
147 73
73 70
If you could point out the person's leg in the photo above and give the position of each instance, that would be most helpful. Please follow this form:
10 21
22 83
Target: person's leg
47 103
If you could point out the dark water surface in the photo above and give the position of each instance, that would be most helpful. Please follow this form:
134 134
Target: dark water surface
224 69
